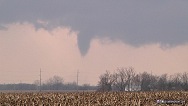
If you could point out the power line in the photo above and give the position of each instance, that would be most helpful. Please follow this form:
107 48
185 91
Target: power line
77 79
40 79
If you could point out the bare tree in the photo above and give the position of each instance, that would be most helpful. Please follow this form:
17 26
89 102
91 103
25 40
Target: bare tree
124 78
149 82
184 79
162 82
137 82
145 81
106 81
175 81
120 79
130 77
37 84
55 82
153 82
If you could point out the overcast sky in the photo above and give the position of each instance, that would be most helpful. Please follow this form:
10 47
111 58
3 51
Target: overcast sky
62 36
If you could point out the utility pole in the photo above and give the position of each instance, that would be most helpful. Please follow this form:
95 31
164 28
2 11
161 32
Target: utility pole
40 79
77 79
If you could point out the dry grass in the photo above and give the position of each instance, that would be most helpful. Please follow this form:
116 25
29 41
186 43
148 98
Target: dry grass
89 98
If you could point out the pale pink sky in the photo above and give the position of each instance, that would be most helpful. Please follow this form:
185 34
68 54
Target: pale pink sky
24 50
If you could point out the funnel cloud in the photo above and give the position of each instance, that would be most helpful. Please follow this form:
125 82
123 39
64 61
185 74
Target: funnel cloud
131 21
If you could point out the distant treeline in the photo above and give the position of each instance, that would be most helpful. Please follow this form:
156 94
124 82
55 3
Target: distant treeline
126 79
28 87
54 83
123 79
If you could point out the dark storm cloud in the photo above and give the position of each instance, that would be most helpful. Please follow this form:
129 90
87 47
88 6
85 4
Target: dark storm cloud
132 21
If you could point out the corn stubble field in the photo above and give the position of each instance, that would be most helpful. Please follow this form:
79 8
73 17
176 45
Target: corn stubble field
90 98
